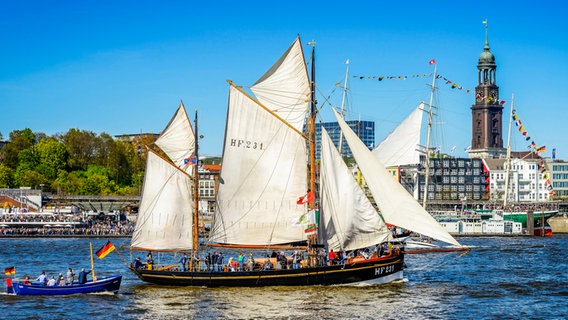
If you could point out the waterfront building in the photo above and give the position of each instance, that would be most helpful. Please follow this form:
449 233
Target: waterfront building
526 181
559 177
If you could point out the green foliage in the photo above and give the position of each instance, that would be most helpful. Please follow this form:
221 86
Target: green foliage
77 162
6 176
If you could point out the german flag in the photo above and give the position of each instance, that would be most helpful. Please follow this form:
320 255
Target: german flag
10 270
105 250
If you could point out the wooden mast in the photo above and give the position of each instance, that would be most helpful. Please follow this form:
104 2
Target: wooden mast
312 140
312 124
195 247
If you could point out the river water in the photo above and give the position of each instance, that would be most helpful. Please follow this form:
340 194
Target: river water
500 278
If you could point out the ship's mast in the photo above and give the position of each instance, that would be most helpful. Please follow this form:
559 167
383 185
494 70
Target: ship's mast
427 162
312 124
343 102
196 199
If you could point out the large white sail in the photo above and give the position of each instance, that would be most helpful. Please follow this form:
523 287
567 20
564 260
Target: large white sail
396 205
164 219
400 146
348 220
178 140
285 88
262 176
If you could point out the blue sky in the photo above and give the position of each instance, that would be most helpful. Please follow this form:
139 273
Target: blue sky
123 66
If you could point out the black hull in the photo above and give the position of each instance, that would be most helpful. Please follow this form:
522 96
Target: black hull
373 271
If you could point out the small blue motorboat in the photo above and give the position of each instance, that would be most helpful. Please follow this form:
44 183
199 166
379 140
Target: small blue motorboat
107 284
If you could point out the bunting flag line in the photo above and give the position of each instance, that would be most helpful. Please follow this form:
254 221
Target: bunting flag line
10 270
536 150
105 250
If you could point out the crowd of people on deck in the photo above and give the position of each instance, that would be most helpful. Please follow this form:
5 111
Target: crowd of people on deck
298 259
59 280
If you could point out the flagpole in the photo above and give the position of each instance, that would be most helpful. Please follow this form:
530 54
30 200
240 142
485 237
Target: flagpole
92 262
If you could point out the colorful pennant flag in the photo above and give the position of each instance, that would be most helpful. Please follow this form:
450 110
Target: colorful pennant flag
308 197
105 250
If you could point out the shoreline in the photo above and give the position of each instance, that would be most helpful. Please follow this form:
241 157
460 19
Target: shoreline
10 236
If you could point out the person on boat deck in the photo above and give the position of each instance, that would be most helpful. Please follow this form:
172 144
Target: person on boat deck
137 263
51 282
296 258
214 261
267 262
70 276
274 254
250 262
27 280
42 279
332 257
208 261
241 260
149 258
219 262
83 276
183 262
60 280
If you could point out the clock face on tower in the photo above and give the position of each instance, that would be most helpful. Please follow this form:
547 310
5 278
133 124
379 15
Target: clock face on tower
494 96
479 95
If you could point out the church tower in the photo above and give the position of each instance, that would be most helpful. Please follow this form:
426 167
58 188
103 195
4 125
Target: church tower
487 112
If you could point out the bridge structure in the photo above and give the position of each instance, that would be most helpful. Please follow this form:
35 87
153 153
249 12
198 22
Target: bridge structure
93 203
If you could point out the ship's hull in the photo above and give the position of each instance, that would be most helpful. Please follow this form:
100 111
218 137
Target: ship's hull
110 284
522 216
372 271
559 224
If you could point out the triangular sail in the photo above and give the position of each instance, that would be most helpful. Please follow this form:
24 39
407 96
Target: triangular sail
396 205
348 220
285 88
178 140
400 146
262 176
164 218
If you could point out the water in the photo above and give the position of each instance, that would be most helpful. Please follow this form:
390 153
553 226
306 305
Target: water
501 278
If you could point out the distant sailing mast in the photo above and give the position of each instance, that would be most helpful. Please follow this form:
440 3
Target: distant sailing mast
508 162
343 103
195 248
427 162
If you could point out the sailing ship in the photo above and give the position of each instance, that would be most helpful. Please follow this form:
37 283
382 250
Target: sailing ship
263 173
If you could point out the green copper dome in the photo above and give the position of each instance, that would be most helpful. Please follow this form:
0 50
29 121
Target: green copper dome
486 57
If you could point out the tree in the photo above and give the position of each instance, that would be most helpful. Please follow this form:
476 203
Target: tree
82 146
52 157
19 140
6 176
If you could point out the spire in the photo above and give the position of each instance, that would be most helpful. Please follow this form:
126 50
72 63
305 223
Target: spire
486 47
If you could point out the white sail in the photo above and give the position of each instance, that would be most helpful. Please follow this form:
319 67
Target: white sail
400 146
262 176
348 220
396 205
165 215
178 140
285 88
